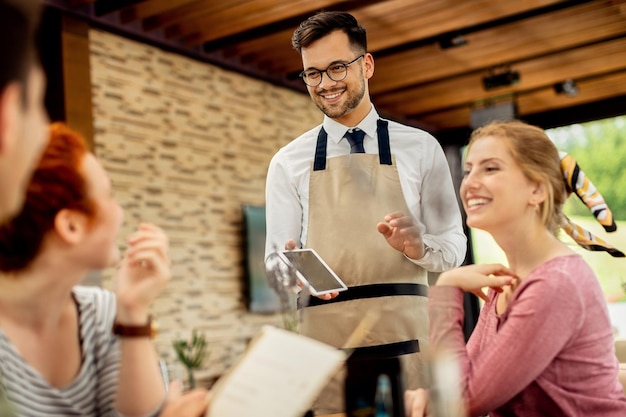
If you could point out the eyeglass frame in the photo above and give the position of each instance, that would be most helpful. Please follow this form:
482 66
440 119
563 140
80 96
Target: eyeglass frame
321 72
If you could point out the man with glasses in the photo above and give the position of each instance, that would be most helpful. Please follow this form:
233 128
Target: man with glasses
373 197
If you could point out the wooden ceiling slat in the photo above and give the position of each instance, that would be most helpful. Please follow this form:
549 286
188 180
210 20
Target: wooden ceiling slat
427 19
187 11
416 81
151 8
459 91
591 90
584 27
255 14
102 8
540 101
432 18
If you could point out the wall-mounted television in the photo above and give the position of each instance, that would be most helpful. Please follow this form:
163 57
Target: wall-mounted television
261 297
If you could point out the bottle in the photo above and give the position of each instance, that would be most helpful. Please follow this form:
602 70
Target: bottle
383 399
446 397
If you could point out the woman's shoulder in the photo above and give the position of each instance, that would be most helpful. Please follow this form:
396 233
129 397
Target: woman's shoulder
565 275
93 295
97 305
564 265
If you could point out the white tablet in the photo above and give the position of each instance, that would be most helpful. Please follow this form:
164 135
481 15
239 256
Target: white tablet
312 271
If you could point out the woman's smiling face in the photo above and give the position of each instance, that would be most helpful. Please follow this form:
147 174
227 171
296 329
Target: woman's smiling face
494 190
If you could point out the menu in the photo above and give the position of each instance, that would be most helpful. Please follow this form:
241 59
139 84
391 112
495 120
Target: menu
280 375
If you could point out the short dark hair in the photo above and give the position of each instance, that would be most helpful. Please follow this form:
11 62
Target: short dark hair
19 20
324 23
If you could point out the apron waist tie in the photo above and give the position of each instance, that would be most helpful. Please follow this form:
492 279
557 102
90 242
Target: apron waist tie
369 291
384 351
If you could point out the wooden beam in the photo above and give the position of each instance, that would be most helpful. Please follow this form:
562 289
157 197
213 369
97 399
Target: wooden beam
150 8
102 8
242 17
575 27
466 89
542 100
77 77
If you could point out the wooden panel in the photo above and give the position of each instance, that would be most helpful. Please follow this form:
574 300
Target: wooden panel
187 10
77 78
243 17
421 19
539 101
151 8
597 59
403 21
545 40
575 27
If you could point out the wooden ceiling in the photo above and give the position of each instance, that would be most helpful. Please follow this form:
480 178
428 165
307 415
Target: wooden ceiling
417 80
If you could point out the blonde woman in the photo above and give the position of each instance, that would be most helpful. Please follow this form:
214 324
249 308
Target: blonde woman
543 345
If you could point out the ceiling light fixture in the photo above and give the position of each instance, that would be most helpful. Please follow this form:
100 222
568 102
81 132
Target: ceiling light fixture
452 41
567 87
500 77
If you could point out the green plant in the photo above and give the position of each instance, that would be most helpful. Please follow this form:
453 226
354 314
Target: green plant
191 353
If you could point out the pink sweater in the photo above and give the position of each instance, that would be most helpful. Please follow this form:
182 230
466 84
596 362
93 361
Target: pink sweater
550 354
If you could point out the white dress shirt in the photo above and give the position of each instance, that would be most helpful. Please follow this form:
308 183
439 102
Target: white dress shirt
424 177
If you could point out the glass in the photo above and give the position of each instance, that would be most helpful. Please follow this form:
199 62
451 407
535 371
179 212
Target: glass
336 72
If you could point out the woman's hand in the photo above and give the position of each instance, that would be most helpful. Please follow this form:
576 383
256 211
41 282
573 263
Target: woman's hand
402 234
144 273
473 278
190 404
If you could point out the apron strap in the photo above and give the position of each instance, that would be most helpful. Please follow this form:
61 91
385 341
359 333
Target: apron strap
384 149
384 351
369 291
319 163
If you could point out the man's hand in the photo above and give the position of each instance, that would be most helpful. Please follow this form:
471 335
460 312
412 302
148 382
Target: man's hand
402 234
291 245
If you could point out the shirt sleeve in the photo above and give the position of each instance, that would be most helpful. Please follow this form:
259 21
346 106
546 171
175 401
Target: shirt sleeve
539 323
443 237
283 209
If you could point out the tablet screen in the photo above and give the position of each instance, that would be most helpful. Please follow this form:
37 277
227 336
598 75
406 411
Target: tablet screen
314 270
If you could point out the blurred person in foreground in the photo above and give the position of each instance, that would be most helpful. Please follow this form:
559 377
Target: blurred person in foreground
23 119
59 354
543 345
24 135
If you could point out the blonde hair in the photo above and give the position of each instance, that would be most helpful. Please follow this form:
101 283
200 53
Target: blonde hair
539 160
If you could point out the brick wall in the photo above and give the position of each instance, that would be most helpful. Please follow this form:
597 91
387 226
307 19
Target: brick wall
186 144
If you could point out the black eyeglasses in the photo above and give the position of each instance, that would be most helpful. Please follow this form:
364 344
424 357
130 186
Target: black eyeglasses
336 72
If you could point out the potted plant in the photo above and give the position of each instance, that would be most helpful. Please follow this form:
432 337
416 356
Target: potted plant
191 353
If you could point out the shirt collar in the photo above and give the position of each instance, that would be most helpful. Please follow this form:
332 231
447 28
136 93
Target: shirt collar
336 131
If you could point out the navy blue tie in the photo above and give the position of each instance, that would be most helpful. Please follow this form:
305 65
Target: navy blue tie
356 140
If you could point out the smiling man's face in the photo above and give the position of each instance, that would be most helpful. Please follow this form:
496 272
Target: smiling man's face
347 101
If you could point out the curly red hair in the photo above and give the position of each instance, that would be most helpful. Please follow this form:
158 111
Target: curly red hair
58 183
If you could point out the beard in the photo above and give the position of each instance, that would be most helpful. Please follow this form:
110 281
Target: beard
352 101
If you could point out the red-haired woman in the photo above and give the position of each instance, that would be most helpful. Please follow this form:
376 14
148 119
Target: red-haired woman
58 353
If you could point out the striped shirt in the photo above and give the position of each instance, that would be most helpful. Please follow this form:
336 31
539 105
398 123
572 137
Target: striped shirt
92 393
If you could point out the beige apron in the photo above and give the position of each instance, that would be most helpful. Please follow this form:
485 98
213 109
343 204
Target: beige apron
349 195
